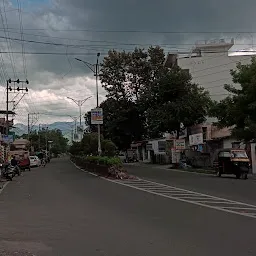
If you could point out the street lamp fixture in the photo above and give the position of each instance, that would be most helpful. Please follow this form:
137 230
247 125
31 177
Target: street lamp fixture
80 103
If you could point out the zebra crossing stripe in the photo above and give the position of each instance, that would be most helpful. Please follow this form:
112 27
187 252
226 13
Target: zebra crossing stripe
188 196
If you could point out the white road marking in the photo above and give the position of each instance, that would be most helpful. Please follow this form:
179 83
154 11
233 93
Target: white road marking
192 197
240 208
174 193
5 184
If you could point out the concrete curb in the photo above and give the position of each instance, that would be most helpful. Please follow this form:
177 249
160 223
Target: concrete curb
79 168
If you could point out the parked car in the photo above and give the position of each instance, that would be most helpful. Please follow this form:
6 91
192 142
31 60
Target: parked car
24 164
34 161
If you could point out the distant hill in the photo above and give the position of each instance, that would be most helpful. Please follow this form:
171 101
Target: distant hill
65 128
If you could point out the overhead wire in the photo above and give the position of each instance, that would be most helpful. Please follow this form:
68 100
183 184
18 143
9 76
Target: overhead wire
8 42
22 39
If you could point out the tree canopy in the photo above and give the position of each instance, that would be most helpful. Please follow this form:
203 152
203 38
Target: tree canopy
39 139
238 110
146 99
173 101
89 146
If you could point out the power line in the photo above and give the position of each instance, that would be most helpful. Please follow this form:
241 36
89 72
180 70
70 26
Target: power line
9 46
22 38
142 31
51 53
103 41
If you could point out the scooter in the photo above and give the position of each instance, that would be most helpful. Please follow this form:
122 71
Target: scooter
6 172
14 169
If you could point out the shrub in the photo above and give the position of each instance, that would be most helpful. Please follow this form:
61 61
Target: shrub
101 160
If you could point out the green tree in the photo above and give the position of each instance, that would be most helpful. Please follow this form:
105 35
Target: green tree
39 139
238 110
174 100
123 122
89 146
126 76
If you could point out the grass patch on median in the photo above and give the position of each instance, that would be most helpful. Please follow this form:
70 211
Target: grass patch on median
110 167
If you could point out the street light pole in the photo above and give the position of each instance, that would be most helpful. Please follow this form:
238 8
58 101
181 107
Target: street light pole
97 94
95 70
80 103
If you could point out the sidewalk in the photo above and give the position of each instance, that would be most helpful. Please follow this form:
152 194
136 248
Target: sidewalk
170 167
190 170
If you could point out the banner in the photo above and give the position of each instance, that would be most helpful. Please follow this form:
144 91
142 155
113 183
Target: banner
7 139
97 116
196 139
180 144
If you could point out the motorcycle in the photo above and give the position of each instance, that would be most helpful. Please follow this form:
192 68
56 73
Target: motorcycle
14 169
6 172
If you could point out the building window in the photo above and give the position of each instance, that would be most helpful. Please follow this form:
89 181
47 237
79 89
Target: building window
161 146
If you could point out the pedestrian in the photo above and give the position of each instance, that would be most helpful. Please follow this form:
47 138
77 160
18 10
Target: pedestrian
14 163
43 163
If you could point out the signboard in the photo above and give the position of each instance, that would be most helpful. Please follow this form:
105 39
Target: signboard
97 116
180 144
7 139
196 139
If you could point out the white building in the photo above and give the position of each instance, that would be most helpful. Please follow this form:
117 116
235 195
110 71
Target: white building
210 63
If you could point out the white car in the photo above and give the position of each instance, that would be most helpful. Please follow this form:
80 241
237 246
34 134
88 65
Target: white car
34 161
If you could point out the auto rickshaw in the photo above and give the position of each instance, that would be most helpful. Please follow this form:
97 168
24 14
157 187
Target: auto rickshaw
232 161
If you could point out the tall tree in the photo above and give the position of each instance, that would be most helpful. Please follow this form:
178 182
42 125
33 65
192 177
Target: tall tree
239 109
123 122
174 100
126 76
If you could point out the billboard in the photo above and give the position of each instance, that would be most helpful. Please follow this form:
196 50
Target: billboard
196 139
180 144
7 138
97 116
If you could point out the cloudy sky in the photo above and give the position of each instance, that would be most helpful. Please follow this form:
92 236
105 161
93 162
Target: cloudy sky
39 40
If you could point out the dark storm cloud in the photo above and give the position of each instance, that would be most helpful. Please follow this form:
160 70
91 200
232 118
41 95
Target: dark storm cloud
59 23
162 14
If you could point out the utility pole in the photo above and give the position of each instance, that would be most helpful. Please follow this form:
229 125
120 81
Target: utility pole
95 69
39 139
28 126
14 89
75 120
97 93
7 107
29 120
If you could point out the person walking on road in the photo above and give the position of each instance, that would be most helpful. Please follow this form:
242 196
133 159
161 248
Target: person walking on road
43 162
14 163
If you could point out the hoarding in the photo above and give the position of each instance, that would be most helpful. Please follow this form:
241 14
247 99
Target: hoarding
180 144
97 116
196 139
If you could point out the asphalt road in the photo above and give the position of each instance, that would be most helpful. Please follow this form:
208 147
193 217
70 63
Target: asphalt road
59 210
227 186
